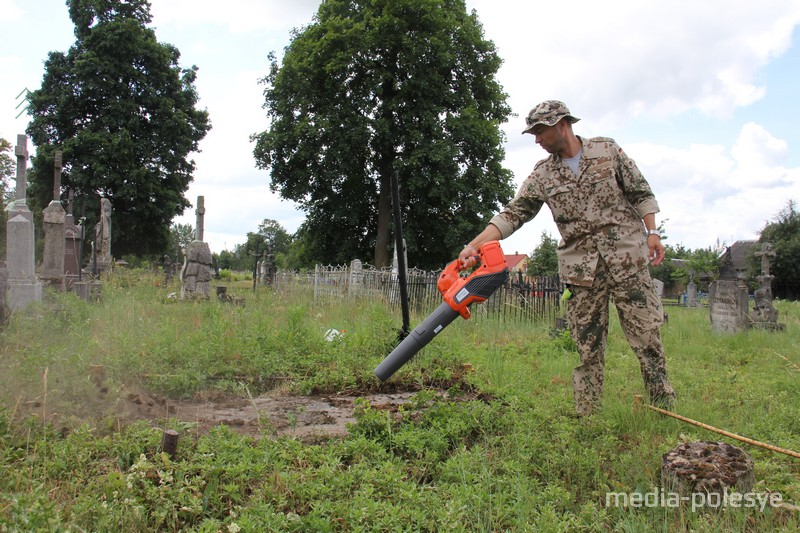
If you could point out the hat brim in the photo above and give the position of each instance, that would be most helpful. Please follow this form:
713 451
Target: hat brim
572 120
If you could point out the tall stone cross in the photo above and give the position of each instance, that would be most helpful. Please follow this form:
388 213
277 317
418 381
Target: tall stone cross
766 253
57 176
21 151
201 211
70 201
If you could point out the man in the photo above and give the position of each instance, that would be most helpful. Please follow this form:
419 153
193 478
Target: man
605 212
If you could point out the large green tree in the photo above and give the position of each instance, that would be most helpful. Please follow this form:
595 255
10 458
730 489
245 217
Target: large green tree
374 86
124 114
784 235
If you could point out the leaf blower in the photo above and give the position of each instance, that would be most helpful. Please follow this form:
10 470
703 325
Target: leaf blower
458 293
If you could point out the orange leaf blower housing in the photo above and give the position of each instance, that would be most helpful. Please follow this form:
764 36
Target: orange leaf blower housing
458 293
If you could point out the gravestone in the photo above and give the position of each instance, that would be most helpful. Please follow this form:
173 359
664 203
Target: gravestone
728 304
169 269
73 238
764 315
356 272
691 294
269 269
196 273
54 223
90 291
102 238
23 288
198 263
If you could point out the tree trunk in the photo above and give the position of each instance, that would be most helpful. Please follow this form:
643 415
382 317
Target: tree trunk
707 468
384 221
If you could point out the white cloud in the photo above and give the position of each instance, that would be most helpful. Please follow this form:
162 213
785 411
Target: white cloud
759 156
10 11
614 61
235 16
711 192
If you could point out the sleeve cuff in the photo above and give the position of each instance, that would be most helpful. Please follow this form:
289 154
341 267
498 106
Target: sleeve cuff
504 226
647 207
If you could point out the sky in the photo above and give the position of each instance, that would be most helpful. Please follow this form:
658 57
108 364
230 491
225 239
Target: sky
703 95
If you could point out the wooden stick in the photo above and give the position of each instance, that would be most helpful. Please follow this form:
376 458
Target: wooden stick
787 360
639 401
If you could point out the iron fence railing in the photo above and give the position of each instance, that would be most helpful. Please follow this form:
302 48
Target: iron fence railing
522 297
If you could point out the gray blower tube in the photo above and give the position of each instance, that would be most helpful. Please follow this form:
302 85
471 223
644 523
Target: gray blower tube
422 335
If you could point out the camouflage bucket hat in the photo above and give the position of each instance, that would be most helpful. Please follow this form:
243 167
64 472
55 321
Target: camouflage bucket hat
548 113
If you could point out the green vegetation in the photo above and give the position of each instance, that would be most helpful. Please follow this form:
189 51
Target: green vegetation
371 87
494 448
125 115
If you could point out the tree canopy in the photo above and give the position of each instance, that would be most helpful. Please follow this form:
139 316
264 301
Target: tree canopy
124 115
369 87
784 235
544 258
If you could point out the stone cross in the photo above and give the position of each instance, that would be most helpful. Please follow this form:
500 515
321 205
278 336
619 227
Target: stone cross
21 151
57 177
766 253
201 211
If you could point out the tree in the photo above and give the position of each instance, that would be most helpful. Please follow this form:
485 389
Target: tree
372 87
123 114
180 236
8 169
784 235
670 271
245 254
274 236
544 259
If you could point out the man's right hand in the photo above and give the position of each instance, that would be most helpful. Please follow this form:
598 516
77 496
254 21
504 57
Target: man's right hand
468 256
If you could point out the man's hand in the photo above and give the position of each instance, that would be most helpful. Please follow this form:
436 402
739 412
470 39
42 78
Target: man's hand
469 254
468 257
655 249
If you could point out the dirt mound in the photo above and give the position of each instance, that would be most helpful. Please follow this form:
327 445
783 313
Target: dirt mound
305 417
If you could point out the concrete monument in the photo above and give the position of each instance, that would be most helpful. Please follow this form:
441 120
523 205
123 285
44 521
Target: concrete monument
764 314
102 238
54 222
198 263
23 288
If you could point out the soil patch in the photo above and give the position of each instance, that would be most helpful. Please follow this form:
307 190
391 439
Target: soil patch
308 418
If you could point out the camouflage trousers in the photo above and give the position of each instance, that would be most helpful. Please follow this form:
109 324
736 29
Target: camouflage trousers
640 315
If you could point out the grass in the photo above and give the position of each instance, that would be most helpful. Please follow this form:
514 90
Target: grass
501 451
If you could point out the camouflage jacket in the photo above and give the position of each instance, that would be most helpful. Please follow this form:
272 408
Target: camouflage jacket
598 212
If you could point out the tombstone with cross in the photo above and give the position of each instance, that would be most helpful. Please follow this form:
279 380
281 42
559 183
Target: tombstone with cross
23 288
54 224
764 314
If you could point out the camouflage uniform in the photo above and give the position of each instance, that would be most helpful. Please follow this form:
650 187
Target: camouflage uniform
603 254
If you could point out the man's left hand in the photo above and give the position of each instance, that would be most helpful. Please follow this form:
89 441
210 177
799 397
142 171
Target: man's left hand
655 250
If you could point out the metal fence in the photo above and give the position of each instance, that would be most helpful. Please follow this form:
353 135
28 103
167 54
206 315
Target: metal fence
522 298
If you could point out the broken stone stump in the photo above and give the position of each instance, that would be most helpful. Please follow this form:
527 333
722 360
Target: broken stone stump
707 468
222 293
169 442
89 291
